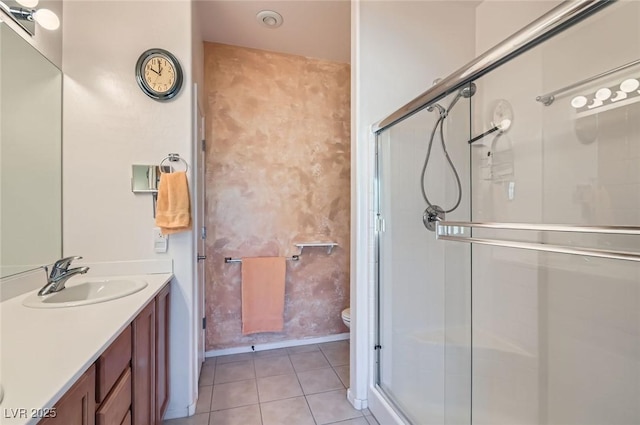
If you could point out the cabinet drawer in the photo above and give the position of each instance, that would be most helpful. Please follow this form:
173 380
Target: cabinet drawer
117 404
112 363
127 419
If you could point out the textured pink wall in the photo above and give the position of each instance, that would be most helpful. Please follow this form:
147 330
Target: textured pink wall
278 172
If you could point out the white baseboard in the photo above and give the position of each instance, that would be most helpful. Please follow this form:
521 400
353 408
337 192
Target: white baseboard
183 412
357 403
279 344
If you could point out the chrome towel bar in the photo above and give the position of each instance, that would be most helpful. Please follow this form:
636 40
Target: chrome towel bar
600 253
610 230
239 260
451 231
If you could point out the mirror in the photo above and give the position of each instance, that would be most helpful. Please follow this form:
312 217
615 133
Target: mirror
20 14
145 178
30 156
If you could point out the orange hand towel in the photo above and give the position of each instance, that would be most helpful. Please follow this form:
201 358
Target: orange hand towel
173 209
263 294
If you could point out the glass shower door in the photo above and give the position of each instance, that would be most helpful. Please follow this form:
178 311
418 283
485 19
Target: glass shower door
556 337
423 286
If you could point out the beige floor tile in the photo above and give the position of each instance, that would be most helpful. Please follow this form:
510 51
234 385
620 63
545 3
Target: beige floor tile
234 394
198 419
278 387
303 362
343 374
303 348
236 371
292 411
337 356
209 360
334 345
271 366
270 353
319 380
332 407
204 399
206 374
246 415
234 358
372 420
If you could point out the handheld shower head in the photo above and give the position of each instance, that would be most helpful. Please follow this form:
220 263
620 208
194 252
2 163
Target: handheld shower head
466 92
443 112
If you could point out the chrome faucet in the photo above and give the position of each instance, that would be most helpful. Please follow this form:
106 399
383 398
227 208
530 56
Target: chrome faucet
60 273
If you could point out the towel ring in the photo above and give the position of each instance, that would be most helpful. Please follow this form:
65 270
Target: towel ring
174 157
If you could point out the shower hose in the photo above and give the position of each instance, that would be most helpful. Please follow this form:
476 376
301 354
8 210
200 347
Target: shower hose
439 125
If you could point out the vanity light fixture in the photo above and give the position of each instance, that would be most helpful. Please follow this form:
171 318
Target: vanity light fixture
606 98
24 14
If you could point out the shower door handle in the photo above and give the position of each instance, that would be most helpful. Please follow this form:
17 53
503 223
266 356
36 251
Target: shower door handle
201 257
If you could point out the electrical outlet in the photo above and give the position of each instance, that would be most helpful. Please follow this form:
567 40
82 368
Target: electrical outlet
160 241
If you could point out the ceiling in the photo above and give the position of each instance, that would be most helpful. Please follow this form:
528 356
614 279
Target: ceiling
314 28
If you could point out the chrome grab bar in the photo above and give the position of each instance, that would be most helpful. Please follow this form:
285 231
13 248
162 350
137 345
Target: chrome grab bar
444 228
609 230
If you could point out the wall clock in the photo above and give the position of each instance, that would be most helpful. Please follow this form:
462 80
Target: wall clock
159 74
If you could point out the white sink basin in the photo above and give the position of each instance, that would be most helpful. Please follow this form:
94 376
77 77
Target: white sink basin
85 291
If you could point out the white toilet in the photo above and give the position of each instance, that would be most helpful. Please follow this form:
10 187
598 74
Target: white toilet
346 317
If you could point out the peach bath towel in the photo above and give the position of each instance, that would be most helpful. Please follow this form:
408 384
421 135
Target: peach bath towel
173 209
263 294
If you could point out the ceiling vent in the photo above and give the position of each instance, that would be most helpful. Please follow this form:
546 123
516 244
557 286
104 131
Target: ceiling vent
269 18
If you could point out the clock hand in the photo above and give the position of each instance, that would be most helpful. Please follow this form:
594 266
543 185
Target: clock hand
154 71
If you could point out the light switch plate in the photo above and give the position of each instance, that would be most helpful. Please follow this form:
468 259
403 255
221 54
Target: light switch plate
160 241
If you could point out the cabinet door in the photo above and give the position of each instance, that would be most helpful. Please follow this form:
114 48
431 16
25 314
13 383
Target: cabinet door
143 366
162 353
78 405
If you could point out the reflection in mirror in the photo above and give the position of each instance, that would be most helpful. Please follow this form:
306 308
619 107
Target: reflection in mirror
30 156
145 178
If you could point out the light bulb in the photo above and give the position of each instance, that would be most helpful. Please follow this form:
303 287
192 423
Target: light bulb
578 102
47 19
603 94
505 124
629 85
270 20
31 4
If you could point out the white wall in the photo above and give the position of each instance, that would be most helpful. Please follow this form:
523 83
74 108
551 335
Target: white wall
398 49
108 125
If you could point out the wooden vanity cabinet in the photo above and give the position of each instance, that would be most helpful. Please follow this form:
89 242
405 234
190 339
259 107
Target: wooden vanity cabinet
78 405
144 366
129 383
162 354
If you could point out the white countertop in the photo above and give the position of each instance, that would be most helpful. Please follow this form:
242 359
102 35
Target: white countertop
44 351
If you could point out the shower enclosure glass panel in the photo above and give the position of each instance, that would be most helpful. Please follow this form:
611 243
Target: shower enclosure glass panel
424 292
556 337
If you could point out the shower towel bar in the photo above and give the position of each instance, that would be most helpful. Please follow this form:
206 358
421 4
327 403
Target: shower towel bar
445 228
239 260
588 252
609 230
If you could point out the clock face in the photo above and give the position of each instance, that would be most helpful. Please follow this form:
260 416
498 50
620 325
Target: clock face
159 74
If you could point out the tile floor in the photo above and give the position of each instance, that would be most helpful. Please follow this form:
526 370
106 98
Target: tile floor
304 385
